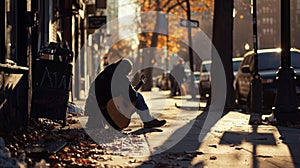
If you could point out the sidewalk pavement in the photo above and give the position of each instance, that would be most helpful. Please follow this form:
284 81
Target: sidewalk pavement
196 138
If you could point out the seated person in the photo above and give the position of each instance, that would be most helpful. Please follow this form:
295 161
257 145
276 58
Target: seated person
113 82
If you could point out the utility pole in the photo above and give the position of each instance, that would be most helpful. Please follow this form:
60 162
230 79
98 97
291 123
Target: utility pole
256 83
286 102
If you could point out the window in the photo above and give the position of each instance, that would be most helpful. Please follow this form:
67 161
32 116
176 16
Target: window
295 59
236 65
206 67
269 61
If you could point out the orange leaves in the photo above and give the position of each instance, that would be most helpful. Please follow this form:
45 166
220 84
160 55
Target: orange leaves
162 41
176 7
175 34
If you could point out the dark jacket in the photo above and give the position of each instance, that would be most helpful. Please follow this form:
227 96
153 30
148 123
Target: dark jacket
179 73
109 84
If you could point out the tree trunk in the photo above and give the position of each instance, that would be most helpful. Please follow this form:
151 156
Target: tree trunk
223 42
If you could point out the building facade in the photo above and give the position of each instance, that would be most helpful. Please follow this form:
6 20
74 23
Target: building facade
26 26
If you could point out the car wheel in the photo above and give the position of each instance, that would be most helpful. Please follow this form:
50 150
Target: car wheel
202 95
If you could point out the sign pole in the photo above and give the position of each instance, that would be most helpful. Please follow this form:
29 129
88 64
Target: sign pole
190 36
256 83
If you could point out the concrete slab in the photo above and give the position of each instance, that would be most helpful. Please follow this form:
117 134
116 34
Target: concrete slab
229 142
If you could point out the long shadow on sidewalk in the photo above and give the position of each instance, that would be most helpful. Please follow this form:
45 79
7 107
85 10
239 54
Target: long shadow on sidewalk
254 138
182 153
291 137
268 149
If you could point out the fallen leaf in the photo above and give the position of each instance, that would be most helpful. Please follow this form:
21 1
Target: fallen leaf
238 148
213 158
212 145
264 156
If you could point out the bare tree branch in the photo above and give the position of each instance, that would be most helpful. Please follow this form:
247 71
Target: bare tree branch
166 4
177 4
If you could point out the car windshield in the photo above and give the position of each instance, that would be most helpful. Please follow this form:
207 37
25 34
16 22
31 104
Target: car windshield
295 60
236 65
206 67
270 61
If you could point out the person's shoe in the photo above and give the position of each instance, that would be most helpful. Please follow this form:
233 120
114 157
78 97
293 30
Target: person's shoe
154 123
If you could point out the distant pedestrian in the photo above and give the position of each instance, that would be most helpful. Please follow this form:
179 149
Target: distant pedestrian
177 79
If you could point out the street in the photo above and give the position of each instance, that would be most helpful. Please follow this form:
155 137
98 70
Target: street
187 140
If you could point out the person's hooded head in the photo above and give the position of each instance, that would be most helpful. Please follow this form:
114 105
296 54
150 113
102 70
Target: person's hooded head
124 66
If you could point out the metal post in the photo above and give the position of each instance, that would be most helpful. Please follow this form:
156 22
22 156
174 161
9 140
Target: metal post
190 36
167 48
286 102
256 83
285 34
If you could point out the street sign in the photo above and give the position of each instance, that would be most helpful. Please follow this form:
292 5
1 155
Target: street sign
189 23
95 22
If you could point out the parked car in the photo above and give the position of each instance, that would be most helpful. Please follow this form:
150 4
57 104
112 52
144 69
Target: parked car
205 77
269 61
204 82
